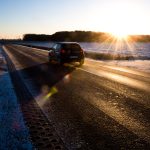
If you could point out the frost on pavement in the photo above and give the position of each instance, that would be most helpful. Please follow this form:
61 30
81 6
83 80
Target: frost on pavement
13 132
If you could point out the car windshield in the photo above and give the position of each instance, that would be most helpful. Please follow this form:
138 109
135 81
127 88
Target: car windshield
72 47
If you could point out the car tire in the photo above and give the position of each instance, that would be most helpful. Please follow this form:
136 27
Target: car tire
60 61
50 59
81 62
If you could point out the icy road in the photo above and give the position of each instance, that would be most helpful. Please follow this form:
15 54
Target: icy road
97 106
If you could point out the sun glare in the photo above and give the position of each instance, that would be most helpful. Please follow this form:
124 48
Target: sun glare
119 31
120 19
120 35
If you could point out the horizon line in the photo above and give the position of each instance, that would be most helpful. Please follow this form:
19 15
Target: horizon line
19 37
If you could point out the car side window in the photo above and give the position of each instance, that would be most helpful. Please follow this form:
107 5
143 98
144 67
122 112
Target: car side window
57 48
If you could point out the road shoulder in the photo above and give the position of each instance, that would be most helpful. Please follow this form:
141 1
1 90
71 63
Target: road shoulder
14 134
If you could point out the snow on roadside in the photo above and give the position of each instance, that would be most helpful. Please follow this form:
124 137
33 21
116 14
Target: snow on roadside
141 65
13 132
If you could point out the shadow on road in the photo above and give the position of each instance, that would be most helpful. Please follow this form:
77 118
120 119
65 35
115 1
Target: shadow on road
46 74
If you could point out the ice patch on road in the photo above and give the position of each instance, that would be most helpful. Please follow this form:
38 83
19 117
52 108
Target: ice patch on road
13 132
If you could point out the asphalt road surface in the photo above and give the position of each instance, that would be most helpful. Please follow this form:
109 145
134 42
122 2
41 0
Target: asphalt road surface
96 106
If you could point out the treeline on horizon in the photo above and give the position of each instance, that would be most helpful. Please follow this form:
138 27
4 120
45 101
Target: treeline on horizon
82 36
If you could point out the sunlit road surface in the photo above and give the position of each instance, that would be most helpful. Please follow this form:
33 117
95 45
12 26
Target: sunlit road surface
96 106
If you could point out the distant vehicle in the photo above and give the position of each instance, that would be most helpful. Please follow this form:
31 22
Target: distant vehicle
66 52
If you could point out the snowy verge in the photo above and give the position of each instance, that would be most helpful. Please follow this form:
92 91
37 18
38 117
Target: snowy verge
142 65
13 132
139 65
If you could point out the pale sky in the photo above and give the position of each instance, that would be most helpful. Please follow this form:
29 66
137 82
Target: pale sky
18 17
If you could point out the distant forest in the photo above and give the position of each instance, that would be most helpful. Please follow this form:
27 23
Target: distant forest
82 36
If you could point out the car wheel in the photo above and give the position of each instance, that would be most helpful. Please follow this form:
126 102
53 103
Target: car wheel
60 61
81 62
50 59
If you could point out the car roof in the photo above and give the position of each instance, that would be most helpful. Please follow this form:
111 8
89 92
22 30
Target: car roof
67 43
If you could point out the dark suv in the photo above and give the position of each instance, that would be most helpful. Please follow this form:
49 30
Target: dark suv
65 52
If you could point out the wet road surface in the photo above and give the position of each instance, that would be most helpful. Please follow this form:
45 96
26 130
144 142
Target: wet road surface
95 106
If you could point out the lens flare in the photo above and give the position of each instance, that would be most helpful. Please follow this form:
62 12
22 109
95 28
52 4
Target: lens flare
66 78
45 95
52 91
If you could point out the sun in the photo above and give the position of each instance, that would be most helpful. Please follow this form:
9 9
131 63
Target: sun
120 35
119 31
120 18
